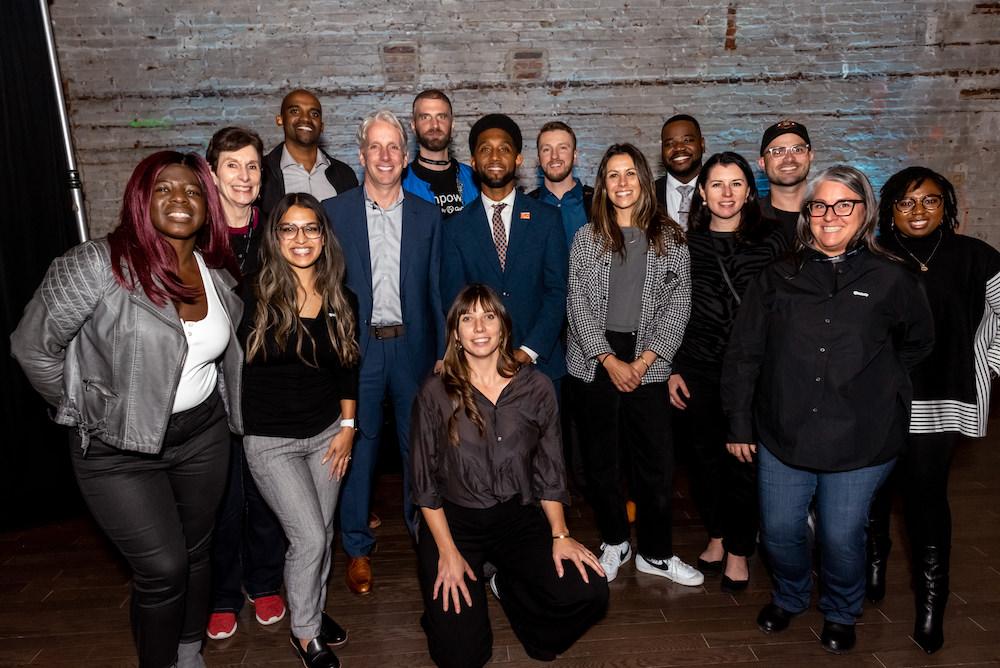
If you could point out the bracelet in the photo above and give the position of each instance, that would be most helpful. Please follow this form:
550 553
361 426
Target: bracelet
560 536
643 360
347 422
605 358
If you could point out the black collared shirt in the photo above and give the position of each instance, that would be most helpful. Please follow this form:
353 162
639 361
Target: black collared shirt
518 455
819 358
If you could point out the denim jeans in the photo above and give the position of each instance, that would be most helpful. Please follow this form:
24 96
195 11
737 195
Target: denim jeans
842 502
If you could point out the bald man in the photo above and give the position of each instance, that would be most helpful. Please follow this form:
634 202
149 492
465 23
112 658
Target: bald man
298 164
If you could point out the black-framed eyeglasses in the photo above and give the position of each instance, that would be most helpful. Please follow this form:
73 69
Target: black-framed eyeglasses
288 231
907 204
780 151
842 207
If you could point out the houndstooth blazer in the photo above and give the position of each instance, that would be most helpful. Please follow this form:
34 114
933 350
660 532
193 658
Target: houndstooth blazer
666 306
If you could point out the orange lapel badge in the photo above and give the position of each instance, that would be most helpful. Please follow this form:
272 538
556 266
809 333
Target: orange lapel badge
525 215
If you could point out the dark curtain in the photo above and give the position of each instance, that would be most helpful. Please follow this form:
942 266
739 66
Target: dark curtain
36 483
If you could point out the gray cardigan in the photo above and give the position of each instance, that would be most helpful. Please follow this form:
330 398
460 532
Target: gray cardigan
666 306
109 359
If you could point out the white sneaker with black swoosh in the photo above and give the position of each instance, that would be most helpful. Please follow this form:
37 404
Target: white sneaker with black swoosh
613 556
672 569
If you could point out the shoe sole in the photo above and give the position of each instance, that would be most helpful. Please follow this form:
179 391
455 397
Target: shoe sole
271 620
223 635
647 568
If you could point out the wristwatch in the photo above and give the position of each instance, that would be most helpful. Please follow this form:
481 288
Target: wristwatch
347 422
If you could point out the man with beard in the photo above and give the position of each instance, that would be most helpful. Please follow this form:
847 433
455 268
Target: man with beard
785 156
512 243
435 176
298 164
681 147
556 146
392 251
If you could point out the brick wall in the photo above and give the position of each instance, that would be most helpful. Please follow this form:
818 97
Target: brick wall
880 85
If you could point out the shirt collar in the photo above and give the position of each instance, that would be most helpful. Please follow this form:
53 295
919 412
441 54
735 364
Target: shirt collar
672 183
574 193
508 200
287 160
370 203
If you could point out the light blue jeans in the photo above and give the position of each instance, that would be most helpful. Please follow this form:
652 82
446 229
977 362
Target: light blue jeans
842 502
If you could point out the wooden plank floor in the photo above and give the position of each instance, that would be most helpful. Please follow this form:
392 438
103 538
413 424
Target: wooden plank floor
65 602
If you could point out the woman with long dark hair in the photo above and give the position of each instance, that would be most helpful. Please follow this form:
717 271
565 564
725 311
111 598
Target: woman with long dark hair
628 304
248 546
299 398
489 478
132 340
816 389
918 221
730 242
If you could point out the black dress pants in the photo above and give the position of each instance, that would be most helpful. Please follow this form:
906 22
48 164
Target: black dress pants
547 613
724 488
630 432
248 548
921 474
158 510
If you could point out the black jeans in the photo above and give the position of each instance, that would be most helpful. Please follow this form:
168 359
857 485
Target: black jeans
158 510
547 613
248 548
724 488
628 431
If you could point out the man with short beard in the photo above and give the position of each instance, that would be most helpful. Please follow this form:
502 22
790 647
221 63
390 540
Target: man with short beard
512 243
435 176
785 156
556 146
681 148
298 164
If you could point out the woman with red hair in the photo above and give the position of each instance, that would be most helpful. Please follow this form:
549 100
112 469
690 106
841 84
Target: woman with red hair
132 340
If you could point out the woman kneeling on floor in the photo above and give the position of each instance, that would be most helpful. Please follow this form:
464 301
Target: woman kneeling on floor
489 478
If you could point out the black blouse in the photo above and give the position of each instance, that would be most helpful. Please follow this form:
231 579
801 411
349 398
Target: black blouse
519 455
713 305
282 395
819 359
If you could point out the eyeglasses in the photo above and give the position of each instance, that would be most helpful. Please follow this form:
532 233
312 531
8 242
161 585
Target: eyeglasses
842 207
288 231
779 151
907 204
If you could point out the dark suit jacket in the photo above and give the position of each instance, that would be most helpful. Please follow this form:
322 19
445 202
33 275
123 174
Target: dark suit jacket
272 189
419 269
660 187
533 284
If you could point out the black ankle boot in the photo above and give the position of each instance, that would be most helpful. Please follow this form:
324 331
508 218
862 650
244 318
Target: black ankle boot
930 585
877 545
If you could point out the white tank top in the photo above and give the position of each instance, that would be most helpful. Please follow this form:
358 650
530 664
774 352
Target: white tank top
206 340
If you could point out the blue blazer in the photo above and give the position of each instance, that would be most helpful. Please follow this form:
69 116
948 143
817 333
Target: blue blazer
419 272
533 282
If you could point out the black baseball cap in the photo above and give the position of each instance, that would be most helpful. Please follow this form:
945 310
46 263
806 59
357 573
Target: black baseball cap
780 128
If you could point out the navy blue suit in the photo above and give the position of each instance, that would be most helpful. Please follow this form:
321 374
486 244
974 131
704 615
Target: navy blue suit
395 366
532 285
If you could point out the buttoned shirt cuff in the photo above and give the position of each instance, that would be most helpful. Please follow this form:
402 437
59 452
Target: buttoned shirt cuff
531 353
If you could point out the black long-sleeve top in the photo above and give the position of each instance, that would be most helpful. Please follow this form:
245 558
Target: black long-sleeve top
713 305
284 396
819 359
518 455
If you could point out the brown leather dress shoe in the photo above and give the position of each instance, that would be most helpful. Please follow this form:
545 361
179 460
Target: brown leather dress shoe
359 575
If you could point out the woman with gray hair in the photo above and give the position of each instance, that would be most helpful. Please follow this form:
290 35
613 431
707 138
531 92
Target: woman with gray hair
816 388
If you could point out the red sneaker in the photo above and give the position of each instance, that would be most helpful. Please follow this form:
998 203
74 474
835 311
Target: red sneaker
269 609
221 625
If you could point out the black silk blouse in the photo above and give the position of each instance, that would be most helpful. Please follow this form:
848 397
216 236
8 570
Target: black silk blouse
518 455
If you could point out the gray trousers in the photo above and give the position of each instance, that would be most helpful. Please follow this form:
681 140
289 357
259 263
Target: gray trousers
294 482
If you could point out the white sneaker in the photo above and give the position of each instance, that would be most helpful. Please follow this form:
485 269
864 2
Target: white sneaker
613 556
493 586
672 569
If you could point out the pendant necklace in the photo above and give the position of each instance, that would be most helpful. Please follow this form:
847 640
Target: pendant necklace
923 265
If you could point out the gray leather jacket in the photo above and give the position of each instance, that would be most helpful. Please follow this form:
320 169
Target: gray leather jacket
109 359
